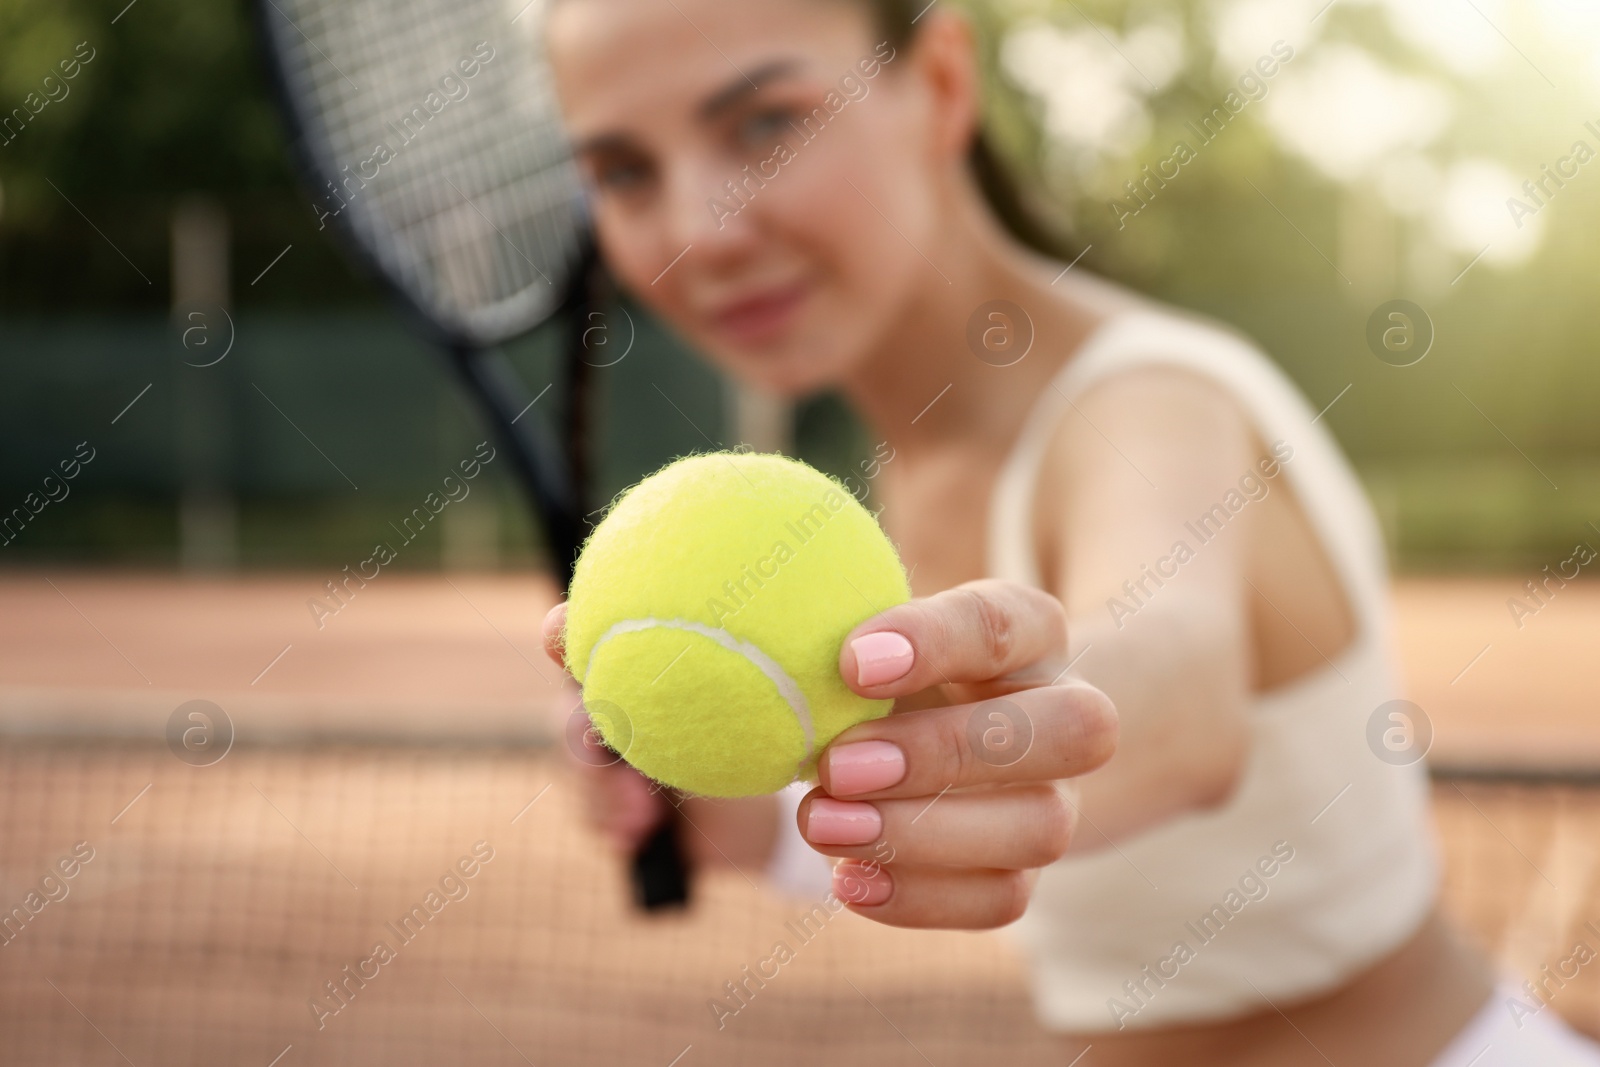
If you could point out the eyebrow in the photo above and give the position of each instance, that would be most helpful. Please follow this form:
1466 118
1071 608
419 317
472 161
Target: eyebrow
718 102
745 84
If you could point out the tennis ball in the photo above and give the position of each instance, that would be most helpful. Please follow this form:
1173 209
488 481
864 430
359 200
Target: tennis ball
705 618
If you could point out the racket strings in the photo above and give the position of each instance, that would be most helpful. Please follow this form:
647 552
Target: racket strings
470 205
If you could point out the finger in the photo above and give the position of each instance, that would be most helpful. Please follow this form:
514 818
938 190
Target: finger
933 897
976 632
584 742
1035 736
1010 828
554 620
627 807
618 800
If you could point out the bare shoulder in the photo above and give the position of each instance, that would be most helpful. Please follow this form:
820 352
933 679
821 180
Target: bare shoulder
1153 406
1154 445
1157 424
1139 448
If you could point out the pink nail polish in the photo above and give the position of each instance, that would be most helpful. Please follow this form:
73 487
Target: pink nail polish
854 885
842 822
864 766
882 657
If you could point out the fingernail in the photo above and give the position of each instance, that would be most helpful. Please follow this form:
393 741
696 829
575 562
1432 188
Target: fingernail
853 885
882 657
864 766
842 822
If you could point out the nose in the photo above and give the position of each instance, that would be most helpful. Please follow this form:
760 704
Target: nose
709 209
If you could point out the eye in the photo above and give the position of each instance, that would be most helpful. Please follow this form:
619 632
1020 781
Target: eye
619 174
762 128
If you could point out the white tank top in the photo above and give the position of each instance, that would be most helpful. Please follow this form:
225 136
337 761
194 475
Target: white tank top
1182 923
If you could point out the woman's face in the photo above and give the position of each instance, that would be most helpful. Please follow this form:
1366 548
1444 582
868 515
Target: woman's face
759 173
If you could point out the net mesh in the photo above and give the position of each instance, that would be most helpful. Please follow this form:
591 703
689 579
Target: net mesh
221 901
434 131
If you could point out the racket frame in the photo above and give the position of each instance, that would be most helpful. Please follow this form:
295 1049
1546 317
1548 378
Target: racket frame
658 871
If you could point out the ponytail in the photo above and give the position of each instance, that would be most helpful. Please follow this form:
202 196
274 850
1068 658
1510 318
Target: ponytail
896 22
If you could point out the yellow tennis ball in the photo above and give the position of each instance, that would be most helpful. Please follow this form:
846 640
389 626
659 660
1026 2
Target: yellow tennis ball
706 614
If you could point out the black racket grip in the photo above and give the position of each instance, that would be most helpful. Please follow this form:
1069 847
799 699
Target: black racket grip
660 876
659 872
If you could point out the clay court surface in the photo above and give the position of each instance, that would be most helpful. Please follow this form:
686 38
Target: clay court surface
372 754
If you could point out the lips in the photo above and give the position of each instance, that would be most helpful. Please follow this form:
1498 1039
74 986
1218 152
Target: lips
762 315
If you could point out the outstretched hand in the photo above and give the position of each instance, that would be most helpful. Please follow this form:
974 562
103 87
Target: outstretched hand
940 814
943 814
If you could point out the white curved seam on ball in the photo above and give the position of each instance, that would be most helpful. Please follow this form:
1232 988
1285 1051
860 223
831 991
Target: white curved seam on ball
788 688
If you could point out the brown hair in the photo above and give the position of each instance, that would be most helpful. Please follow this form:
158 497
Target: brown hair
896 20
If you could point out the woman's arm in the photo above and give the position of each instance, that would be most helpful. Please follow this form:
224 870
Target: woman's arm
1153 577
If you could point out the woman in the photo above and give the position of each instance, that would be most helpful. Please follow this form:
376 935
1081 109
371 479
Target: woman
795 187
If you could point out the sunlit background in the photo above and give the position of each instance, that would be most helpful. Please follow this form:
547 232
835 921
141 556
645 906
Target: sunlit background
1377 163
1386 158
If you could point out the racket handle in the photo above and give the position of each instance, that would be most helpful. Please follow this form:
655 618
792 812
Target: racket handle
659 872
660 876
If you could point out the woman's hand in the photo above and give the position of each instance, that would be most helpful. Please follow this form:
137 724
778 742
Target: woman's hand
626 807
943 814
619 801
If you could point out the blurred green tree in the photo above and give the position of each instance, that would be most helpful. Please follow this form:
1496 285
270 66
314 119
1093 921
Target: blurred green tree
171 104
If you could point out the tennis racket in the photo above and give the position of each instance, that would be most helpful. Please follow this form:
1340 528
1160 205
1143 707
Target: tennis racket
428 133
